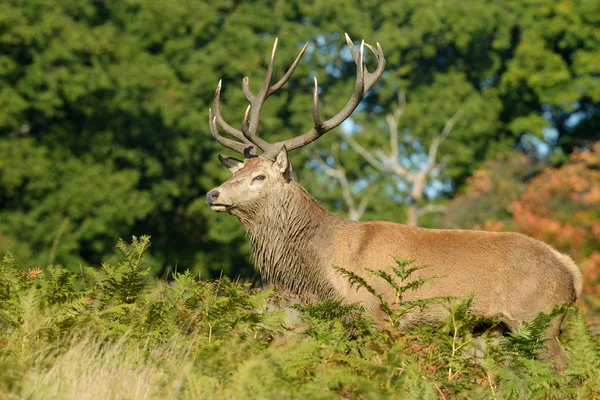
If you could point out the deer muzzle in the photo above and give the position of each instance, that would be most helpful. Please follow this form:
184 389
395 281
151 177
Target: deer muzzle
212 198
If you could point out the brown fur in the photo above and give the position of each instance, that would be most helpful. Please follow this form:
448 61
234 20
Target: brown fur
296 242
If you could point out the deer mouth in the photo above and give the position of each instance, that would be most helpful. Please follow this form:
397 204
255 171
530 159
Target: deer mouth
219 207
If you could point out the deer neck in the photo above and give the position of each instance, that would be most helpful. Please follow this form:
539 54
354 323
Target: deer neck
290 235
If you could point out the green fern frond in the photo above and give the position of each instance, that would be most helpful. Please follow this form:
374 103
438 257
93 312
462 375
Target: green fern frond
527 338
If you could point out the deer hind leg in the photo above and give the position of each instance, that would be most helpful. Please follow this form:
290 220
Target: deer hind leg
553 351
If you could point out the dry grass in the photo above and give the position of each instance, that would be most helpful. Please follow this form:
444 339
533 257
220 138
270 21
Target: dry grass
93 370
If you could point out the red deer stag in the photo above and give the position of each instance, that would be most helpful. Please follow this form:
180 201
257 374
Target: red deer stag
295 241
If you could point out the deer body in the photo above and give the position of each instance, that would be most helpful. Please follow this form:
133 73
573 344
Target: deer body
512 276
296 242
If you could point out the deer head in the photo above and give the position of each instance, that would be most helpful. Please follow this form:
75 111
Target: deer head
266 167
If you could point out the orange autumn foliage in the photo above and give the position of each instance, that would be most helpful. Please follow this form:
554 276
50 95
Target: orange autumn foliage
561 206
490 225
490 193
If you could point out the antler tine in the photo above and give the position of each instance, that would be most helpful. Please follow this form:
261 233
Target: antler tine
246 89
289 72
370 77
364 81
248 135
256 101
245 121
250 96
358 94
219 118
316 115
242 148
351 47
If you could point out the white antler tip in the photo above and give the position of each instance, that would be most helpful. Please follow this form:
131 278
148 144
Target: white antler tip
349 40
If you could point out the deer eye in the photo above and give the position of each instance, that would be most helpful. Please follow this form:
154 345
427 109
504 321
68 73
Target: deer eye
258 178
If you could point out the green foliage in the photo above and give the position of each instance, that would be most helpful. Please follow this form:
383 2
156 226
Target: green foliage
128 278
513 69
586 360
103 129
345 327
116 332
528 338
462 344
71 205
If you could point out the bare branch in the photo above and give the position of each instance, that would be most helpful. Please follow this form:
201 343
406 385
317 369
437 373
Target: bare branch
393 120
364 202
365 154
420 178
439 139
338 172
332 172
415 180
346 191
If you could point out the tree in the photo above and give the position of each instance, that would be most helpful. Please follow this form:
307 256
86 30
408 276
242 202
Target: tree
354 199
411 170
113 96
110 97
537 58
489 193
560 206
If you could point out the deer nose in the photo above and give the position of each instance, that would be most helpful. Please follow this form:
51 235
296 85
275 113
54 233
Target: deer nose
212 196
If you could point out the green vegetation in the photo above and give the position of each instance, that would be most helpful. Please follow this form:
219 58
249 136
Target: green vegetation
103 107
104 134
115 332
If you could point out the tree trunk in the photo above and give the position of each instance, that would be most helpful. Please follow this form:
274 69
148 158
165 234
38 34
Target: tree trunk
413 218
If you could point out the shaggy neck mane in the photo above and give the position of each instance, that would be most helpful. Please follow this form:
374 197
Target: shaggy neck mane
286 231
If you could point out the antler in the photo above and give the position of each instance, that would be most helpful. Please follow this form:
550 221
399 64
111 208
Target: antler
249 141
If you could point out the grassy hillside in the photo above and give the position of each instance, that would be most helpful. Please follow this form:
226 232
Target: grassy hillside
114 332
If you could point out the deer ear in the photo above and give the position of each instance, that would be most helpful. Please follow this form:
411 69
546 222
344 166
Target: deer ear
232 164
282 164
